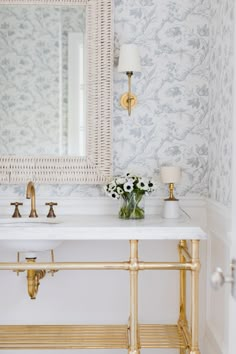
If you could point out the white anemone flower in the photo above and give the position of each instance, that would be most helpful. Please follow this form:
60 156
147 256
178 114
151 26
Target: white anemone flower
120 191
120 180
112 185
143 185
152 186
129 186
114 195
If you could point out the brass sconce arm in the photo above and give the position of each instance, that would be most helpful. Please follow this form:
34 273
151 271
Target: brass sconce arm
129 74
128 100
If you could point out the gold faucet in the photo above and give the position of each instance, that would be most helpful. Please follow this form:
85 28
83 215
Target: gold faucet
30 194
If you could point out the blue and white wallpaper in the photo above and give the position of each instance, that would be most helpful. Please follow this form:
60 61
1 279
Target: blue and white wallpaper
221 101
170 124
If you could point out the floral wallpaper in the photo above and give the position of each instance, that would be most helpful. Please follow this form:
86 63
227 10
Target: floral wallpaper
221 100
170 123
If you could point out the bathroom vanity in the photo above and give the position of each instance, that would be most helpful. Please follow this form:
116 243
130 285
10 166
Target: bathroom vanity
133 336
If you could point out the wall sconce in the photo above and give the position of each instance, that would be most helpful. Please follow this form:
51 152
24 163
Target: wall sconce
170 175
129 62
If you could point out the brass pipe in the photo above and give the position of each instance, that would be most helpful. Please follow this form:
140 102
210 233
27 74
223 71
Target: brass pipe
133 322
67 266
187 335
33 279
182 322
165 266
97 266
30 194
194 348
129 99
184 251
182 317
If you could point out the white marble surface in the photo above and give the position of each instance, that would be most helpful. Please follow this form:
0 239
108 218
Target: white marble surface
99 227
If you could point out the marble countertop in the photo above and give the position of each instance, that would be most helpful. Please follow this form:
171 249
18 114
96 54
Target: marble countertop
99 227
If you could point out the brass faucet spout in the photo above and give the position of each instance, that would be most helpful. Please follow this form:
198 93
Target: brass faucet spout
30 194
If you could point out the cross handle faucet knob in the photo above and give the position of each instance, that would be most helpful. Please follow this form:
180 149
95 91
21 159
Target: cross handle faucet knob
51 213
16 213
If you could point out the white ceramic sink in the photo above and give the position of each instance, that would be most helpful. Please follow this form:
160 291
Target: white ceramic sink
24 222
29 245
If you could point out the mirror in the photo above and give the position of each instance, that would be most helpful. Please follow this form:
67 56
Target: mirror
42 86
56 74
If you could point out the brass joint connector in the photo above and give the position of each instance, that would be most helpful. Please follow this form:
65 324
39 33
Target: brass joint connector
136 351
134 264
196 266
195 351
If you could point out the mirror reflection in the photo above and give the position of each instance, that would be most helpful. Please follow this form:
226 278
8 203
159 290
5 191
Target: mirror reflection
42 80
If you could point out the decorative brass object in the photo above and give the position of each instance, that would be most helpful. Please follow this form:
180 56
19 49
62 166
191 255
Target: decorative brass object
33 279
51 213
34 275
30 194
16 213
171 192
128 100
133 336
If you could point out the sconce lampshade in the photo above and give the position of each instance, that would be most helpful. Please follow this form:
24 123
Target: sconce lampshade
129 58
170 174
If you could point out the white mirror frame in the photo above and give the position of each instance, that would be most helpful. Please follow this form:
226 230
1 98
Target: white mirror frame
96 167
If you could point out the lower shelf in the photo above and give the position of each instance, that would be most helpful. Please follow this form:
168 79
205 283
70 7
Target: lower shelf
88 337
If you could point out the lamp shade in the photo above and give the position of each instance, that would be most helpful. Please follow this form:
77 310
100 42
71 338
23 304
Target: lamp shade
129 59
170 174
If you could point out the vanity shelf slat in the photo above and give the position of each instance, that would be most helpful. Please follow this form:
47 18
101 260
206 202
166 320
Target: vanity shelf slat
89 337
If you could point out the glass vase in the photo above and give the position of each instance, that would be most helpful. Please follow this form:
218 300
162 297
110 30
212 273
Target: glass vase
132 206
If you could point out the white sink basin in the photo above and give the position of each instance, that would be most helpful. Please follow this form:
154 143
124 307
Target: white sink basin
24 222
32 245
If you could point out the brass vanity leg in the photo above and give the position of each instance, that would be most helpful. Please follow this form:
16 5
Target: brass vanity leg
195 298
182 296
134 343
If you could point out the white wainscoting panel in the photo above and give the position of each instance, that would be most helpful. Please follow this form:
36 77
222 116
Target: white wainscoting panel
218 254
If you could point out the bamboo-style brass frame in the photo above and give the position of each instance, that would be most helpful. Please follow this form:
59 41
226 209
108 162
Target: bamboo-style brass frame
132 336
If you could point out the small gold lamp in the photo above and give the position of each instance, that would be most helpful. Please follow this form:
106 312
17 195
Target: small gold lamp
171 175
129 62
